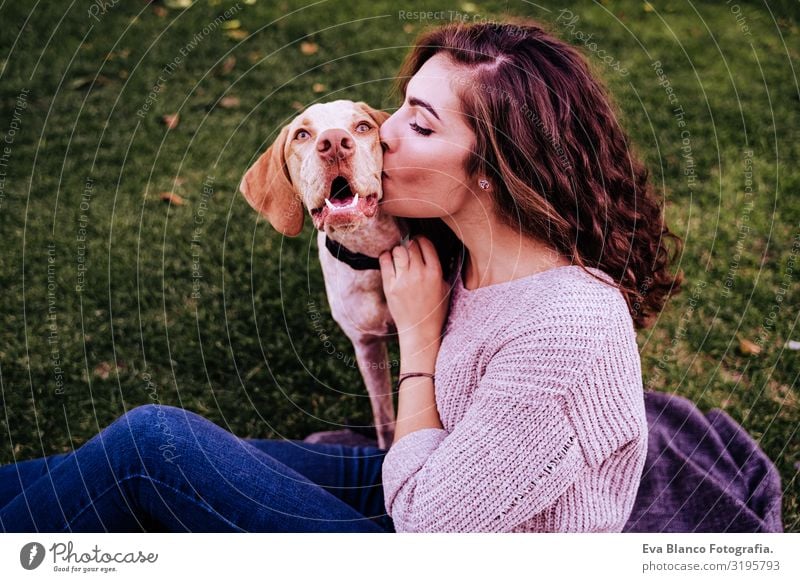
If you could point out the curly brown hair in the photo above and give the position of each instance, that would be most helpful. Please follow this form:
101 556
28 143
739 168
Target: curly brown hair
562 167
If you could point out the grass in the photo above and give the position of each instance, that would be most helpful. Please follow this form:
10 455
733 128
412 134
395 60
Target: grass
244 351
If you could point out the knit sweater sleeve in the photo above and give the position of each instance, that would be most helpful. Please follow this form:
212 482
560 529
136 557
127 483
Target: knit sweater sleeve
512 455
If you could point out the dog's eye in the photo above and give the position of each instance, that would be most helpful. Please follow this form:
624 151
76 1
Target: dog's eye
363 126
302 134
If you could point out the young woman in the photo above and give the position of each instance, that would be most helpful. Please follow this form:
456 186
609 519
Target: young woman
527 413
539 251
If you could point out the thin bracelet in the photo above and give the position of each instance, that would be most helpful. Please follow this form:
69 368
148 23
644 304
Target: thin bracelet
411 375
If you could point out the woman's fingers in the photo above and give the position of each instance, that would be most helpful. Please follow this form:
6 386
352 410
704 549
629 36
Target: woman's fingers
387 268
401 258
415 253
428 252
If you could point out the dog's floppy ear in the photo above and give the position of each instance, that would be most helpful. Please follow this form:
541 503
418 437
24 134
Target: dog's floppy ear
376 114
268 188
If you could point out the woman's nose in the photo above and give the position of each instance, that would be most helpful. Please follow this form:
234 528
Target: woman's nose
383 135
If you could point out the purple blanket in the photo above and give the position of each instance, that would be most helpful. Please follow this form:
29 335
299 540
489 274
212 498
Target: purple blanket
703 473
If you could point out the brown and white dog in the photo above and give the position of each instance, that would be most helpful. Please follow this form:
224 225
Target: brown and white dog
328 161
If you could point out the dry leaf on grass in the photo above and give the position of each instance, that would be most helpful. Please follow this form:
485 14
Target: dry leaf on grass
103 369
749 348
227 65
82 82
172 198
238 34
229 102
308 48
171 121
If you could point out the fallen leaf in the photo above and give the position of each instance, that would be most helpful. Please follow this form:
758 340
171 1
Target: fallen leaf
254 56
172 198
468 7
227 65
308 48
749 348
103 370
178 3
238 34
253 372
231 24
732 376
83 82
318 87
160 11
171 121
408 28
648 7
229 102
297 106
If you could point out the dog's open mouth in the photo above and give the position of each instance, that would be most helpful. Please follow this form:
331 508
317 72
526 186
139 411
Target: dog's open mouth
343 205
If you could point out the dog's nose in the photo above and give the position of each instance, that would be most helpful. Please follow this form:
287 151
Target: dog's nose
334 144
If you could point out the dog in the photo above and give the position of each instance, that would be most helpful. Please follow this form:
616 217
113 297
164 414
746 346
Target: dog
327 162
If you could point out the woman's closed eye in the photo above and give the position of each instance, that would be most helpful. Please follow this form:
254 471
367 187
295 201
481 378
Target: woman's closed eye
420 130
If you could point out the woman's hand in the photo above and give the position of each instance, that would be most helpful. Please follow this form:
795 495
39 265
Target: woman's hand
415 289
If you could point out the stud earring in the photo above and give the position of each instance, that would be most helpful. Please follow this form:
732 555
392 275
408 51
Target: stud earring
483 183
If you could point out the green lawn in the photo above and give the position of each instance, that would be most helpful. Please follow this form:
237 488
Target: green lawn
114 298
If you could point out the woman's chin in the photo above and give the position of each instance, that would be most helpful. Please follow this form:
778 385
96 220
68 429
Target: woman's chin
387 207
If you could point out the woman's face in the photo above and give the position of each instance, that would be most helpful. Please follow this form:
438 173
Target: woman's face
425 144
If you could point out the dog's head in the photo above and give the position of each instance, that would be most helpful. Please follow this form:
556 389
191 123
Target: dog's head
328 159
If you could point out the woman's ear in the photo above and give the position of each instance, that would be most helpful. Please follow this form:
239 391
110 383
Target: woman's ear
268 188
377 115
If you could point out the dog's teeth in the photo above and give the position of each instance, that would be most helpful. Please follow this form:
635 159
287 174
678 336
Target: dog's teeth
355 200
328 202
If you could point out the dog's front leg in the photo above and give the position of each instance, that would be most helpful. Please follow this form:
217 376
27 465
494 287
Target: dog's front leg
373 361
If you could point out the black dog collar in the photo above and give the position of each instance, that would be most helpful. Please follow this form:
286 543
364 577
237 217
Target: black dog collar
357 261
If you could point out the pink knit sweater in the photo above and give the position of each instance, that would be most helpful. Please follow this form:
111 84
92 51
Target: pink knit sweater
539 389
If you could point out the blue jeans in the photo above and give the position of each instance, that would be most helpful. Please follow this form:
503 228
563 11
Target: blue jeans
161 468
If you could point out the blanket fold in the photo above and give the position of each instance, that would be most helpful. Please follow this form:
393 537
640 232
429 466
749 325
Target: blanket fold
703 473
